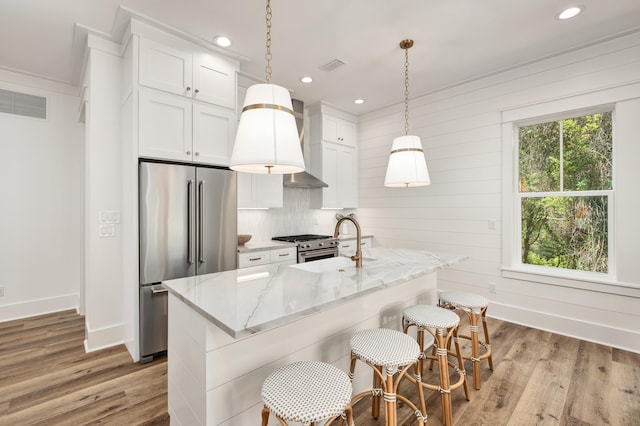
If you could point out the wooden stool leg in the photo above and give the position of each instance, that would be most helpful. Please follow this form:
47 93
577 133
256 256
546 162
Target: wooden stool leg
375 401
487 340
475 349
461 369
445 387
265 416
419 370
390 401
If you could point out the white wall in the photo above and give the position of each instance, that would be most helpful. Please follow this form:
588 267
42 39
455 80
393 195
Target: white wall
461 130
41 193
103 188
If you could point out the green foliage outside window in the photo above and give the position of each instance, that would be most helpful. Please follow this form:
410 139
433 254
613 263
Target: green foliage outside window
561 163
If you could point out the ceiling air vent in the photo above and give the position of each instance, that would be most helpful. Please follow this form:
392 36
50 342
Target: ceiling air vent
22 104
330 66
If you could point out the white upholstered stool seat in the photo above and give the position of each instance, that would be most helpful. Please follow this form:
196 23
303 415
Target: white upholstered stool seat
441 325
475 307
387 352
306 392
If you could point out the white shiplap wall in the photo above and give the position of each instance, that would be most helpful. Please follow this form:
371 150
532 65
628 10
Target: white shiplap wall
461 131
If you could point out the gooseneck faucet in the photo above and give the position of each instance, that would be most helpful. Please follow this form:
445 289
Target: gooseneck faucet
358 256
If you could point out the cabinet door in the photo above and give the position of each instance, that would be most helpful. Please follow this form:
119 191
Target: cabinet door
259 191
213 134
337 130
329 128
165 68
347 133
348 177
214 80
164 126
330 195
340 172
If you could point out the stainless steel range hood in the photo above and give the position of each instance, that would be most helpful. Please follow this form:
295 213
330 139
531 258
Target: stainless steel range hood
302 179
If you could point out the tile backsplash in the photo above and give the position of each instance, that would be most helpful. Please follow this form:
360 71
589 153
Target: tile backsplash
295 217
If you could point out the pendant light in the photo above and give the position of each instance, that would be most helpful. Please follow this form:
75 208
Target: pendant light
267 139
407 166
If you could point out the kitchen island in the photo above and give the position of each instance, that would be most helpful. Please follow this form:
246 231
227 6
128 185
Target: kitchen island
228 331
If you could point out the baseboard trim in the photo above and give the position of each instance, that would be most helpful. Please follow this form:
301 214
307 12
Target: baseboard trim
103 338
628 340
31 308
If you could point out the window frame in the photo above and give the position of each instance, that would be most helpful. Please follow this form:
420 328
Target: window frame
513 267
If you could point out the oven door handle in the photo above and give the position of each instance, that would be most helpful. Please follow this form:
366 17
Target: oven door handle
317 253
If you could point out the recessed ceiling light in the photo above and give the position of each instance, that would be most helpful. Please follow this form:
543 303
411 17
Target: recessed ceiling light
306 79
570 12
358 101
222 41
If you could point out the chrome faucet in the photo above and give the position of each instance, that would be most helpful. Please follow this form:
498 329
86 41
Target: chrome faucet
358 256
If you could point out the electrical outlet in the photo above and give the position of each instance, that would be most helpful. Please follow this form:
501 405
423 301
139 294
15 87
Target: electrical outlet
492 288
1 291
491 224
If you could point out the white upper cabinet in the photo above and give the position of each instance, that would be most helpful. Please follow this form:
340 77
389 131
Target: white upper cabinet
214 80
174 128
333 141
186 103
200 75
339 131
257 191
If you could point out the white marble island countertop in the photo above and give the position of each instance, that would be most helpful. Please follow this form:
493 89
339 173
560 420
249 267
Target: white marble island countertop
246 301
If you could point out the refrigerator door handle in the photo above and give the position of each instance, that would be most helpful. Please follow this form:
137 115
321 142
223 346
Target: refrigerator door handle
201 221
189 222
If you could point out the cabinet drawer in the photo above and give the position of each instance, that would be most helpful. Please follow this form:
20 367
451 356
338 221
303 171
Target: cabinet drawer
284 255
254 258
350 245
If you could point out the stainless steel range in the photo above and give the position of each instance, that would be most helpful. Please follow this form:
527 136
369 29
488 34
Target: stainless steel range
312 247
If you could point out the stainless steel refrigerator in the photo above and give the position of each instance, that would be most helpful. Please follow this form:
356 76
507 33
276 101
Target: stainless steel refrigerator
188 226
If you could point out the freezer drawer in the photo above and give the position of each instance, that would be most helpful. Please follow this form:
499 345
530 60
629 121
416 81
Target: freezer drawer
153 321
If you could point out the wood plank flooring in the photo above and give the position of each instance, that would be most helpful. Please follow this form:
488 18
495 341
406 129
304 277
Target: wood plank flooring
540 378
47 379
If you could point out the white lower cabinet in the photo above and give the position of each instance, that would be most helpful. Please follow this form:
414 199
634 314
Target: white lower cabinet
254 258
176 128
349 246
285 255
259 191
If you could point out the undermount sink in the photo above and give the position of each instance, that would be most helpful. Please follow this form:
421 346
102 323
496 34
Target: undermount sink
333 264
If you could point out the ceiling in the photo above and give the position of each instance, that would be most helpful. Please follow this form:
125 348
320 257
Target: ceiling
455 40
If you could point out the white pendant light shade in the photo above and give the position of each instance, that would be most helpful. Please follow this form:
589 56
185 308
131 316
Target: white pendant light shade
407 166
267 139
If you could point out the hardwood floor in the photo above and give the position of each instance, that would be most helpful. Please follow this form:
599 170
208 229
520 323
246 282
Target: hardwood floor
47 379
540 378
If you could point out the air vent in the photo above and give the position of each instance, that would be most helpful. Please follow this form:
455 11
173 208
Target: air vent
22 104
330 66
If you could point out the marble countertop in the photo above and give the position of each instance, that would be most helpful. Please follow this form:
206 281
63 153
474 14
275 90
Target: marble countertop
249 300
263 245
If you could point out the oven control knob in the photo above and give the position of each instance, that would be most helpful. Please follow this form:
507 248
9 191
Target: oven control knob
320 244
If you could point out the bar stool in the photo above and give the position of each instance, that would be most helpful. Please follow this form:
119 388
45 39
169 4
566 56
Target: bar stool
306 392
442 325
475 307
387 352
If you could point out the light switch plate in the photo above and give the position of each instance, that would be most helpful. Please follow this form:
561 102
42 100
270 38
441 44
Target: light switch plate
106 230
109 216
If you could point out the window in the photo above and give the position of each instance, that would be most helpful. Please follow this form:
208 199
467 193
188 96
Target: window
564 193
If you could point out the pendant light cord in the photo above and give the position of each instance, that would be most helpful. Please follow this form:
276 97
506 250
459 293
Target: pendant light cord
267 56
406 91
